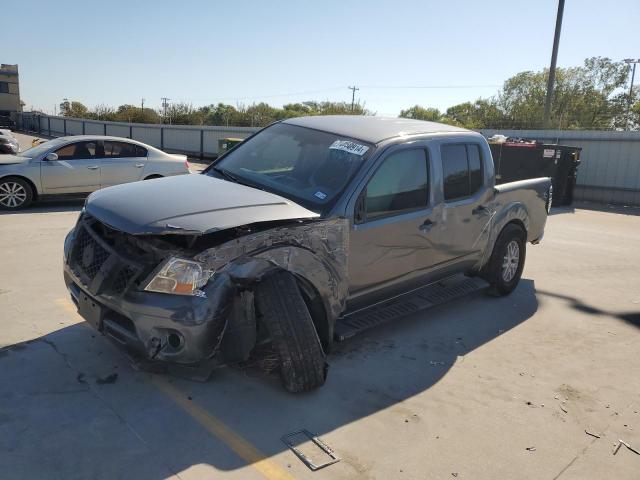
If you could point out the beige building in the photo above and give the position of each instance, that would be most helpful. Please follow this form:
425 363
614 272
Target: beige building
9 90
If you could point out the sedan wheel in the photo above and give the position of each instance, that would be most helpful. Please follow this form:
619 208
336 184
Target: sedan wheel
14 194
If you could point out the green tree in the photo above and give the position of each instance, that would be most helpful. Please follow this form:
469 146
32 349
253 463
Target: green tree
420 113
73 109
133 114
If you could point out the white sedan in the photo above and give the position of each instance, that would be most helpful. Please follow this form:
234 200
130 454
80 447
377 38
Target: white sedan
79 165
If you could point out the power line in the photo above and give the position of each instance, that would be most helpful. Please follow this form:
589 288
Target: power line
393 87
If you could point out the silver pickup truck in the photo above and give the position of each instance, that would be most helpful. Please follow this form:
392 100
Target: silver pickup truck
309 231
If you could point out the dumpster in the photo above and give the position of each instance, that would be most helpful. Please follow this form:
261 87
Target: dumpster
226 144
520 159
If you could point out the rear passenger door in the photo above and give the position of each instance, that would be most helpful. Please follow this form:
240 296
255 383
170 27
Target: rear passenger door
390 241
123 162
466 215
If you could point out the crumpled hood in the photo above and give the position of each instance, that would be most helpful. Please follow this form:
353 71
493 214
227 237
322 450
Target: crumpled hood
11 159
193 203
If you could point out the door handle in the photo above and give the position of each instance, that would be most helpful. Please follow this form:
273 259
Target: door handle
93 167
427 225
479 209
139 165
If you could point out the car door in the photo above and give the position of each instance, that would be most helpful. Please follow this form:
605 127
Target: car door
123 162
77 169
390 241
466 216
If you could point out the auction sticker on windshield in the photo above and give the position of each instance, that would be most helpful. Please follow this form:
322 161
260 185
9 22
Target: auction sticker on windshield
350 147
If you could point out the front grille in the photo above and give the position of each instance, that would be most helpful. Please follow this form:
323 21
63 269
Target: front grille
89 254
123 278
98 263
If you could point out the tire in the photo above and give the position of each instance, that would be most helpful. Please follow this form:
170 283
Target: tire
503 271
15 193
286 317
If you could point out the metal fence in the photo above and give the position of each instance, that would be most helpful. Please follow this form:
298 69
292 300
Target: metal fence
609 172
193 140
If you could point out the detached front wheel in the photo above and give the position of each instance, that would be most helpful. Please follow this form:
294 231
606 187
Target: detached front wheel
505 266
287 318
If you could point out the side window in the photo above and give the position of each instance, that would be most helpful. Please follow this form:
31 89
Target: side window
77 151
120 150
462 170
475 168
455 171
400 184
141 151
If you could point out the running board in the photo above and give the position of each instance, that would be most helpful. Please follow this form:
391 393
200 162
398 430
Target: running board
416 301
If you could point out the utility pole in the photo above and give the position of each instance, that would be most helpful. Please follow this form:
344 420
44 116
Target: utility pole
633 76
552 68
165 104
353 96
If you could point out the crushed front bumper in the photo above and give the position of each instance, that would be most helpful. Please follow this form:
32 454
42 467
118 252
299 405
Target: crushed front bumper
105 286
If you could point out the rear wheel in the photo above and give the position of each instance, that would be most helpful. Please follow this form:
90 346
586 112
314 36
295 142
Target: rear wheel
286 317
505 267
15 193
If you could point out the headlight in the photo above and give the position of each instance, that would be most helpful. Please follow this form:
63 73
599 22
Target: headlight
180 277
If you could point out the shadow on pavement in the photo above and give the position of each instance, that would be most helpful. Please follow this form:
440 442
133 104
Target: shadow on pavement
71 406
632 318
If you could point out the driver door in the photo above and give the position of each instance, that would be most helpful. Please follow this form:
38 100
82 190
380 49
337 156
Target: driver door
391 242
77 169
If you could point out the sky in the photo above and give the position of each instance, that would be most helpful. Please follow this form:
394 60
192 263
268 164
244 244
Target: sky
278 51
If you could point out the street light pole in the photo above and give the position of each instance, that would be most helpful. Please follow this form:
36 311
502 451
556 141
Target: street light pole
633 76
552 67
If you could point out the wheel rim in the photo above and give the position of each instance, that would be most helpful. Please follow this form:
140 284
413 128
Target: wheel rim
510 261
12 194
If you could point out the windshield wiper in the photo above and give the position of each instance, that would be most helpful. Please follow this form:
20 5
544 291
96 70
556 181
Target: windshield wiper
226 174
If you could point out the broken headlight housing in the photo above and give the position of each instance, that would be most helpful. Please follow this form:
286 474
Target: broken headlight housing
179 276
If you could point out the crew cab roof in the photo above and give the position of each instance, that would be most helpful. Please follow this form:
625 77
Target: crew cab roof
372 129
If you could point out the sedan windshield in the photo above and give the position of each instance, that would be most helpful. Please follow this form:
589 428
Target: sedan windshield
43 147
308 166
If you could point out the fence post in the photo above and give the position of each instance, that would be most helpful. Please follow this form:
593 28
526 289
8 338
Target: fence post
104 129
161 138
64 123
131 131
83 127
202 143
49 125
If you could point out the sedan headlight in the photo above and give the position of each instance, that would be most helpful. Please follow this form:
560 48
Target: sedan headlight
180 277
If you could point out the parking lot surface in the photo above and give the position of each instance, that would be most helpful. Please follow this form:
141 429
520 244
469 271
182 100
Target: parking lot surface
481 388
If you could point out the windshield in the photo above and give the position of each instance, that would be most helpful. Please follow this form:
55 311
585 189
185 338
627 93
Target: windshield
308 166
43 147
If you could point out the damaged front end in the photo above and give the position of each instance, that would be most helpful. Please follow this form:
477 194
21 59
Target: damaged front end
115 279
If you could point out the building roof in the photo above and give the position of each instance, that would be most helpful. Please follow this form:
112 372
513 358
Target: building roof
371 129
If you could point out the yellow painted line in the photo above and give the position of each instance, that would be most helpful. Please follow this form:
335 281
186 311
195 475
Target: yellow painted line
243 448
238 444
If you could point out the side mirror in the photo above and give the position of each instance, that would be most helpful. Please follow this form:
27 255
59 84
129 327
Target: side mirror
51 157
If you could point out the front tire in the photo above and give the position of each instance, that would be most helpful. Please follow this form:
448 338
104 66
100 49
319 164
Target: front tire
15 193
286 317
505 266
